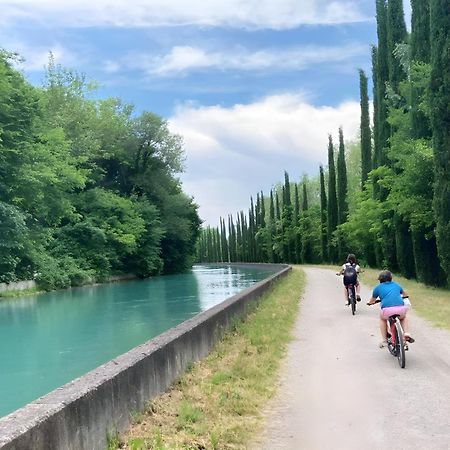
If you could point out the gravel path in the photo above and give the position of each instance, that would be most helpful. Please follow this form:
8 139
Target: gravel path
339 391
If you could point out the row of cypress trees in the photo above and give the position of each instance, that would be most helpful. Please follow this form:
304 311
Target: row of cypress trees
296 223
398 216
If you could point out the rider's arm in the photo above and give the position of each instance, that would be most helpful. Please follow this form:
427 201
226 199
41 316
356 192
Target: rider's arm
404 294
372 301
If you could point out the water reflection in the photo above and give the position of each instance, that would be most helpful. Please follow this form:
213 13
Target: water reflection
47 340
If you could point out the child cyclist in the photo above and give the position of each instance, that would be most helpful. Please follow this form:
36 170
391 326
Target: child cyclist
391 295
350 271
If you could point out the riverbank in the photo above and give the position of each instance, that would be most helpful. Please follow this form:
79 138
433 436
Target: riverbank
23 289
218 403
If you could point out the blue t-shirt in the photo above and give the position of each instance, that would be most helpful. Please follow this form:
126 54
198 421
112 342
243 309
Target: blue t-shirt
390 294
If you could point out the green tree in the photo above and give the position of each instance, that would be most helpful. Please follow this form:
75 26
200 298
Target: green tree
396 34
332 213
382 77
342 181
323 218
366 144
440 118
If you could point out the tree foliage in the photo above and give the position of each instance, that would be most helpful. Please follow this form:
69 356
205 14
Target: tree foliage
87 188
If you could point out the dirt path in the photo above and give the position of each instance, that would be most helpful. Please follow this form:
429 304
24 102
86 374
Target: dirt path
339 391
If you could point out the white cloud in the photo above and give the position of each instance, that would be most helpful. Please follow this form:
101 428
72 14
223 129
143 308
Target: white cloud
34 58
143 13
183 59
233 153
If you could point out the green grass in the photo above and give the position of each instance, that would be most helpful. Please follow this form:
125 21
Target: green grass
217 405
18 293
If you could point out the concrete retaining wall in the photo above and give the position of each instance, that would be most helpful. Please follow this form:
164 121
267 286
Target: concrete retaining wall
17 286
80 414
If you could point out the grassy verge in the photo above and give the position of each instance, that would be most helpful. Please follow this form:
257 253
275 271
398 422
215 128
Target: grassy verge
433 304
217 404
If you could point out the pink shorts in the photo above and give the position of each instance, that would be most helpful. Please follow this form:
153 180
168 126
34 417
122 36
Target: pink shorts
385 313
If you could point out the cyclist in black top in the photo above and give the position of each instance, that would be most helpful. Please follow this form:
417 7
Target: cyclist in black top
350 270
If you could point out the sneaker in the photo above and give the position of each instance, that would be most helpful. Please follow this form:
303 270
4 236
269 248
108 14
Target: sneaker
408 338
358 298
383 344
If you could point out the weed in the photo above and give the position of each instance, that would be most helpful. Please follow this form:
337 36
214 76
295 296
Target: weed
188 414
112 440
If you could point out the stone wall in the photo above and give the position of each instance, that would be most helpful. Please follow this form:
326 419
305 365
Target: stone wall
17 286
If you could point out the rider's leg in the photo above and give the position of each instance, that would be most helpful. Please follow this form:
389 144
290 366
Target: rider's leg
405 325
383 329
346 296
358 290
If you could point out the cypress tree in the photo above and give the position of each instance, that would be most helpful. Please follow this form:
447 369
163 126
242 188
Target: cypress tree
404 247
287 220
305 198
420 31
263 211
224 241
277 207
342 181
366 144
251 232
272 256
440 120
384 60
296 222
396 34
217 249
239 244
382 77
271 208
232 239
244 237
307 255
420 53
341 192
376 155
332 213
264 250
323 218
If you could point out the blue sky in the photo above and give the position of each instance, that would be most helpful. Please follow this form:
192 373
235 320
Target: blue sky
253 86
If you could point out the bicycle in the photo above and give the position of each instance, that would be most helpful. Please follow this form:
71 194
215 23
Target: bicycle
351 294
396 342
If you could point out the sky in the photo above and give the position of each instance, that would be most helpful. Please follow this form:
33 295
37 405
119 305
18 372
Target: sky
254 87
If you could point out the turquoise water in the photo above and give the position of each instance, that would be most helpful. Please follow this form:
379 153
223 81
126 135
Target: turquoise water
50 339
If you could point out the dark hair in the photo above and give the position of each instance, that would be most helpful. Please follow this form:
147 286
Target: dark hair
351 258
384 276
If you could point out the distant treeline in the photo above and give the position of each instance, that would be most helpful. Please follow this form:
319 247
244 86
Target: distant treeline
87 188
398 215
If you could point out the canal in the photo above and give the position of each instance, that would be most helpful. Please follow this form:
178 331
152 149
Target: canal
49 339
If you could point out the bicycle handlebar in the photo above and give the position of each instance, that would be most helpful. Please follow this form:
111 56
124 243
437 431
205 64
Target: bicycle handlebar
379 301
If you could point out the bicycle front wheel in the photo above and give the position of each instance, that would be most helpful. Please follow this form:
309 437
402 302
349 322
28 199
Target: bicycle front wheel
400 345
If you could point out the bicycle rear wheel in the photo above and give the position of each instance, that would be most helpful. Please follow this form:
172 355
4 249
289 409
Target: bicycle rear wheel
352 299
400 345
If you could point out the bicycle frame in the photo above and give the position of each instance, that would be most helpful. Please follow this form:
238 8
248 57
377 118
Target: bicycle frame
396 343
351 295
